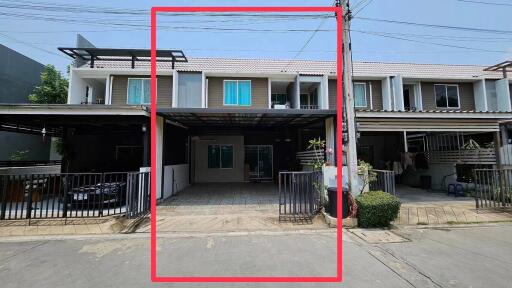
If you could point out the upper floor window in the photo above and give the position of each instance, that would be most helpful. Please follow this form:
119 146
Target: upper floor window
139 91
447 96
220 156
237 92
360 95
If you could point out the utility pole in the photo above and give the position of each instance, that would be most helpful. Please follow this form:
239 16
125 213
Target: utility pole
349 130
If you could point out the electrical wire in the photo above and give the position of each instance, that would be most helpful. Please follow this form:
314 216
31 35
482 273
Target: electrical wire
432 43
471 29
486 3
362 8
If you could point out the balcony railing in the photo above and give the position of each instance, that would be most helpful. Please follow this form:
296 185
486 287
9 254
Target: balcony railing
308 106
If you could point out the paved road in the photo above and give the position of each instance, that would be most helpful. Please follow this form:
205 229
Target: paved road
461 257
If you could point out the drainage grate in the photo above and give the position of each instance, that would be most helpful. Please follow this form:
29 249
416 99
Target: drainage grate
374 236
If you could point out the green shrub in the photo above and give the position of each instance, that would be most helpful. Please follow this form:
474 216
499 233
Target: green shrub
377 209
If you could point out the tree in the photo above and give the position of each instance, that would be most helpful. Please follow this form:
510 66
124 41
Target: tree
53 88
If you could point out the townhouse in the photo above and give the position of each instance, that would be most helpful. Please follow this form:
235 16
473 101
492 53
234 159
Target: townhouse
244 120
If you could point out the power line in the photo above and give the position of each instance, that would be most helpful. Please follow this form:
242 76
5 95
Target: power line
448 37
307 43
31 45
486 3
472 29
46 6
431 43
362 8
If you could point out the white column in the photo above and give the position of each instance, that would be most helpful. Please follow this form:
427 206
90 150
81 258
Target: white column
406 146
296 97
269 92
398 93
386 94
203 91
324 101
503 95
107 91
330 137
480 95
159 153
326 83
418 97
174 88
370 94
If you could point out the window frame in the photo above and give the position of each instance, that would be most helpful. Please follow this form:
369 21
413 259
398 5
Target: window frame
365 94
220 155
237 96
140 78
446 91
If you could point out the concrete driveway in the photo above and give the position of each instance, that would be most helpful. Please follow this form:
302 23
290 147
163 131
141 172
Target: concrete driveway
422 207
226 207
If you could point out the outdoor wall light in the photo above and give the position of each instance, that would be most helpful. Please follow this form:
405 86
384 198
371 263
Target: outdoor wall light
144 128
43 132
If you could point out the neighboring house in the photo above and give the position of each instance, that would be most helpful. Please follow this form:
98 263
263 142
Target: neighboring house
19 75
236 120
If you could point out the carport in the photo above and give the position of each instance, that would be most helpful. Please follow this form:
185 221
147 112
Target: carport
259 143
96 138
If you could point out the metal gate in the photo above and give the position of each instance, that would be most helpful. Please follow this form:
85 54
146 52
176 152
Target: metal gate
385 181
299 195
493 188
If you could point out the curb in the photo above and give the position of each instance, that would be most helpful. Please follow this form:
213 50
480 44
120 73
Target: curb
333 222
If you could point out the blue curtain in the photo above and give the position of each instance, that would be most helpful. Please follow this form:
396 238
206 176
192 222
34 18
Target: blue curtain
230 97
134 91
244 93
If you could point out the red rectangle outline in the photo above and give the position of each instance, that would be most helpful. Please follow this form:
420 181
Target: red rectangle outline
339 152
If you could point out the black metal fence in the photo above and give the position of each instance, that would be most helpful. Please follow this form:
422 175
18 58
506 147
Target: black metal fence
138 200
493 188
73 195
300 195
384 181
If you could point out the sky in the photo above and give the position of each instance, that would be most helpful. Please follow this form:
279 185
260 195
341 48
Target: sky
36 28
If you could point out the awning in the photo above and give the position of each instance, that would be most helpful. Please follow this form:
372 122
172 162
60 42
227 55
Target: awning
428 125
133 55
430 121
244 118
32 119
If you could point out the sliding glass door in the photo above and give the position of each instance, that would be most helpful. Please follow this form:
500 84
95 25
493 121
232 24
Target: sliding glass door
260 161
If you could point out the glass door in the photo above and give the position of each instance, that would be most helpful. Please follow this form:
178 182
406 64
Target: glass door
260 161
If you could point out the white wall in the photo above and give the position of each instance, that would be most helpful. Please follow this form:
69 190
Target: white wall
98 90
175 179
203 174
76 92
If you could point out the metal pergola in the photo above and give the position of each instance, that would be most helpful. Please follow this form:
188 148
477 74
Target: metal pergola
240 118
133 55
505 67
